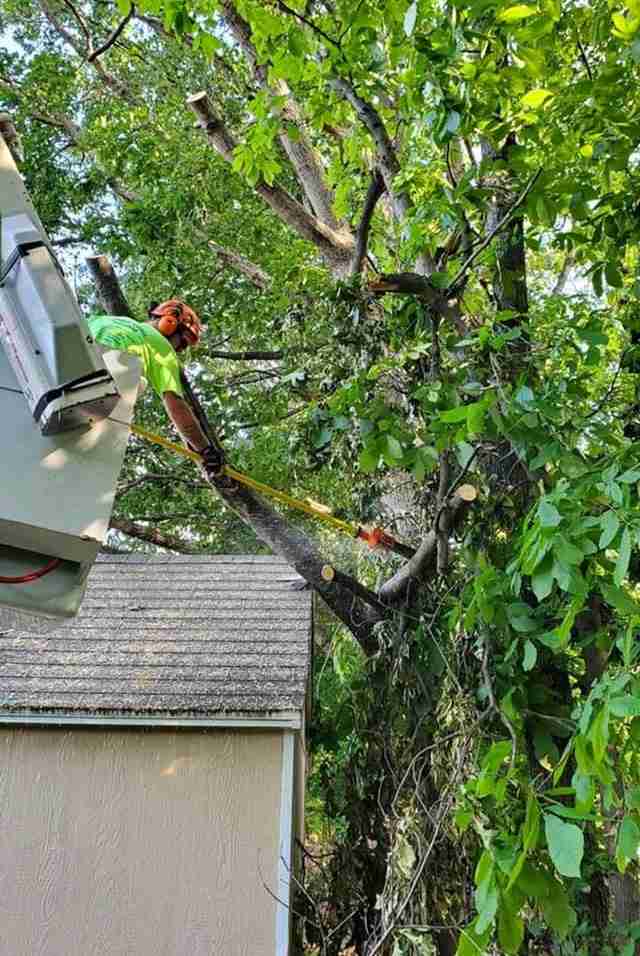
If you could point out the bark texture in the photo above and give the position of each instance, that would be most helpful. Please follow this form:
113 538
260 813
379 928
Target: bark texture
335 247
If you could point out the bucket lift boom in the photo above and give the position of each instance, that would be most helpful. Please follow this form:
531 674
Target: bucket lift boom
60 455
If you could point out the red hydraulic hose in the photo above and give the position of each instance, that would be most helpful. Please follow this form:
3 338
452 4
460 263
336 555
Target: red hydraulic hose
32 575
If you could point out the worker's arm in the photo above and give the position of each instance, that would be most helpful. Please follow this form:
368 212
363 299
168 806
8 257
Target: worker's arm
185 421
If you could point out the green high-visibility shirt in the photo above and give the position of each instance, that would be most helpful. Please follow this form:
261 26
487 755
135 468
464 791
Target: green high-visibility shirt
160 363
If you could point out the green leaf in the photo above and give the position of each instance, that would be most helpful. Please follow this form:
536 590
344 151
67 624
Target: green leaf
453 415
453 121
625 27
556 910
484 869
535 98
542 580
545 747
535 882
471 942
567 552
619 599
569 813
599 733
584 756
489 909
369 458
530 656
626 706
585 791
410 18
462 819
520 618
486 785
629 477
393 452
496 755
610 524
510 931
323 437
628 839
596 281
566 845
518 12
624 556
531 828
548 515
612 275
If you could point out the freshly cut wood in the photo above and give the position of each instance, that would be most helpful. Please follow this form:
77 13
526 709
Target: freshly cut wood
467 492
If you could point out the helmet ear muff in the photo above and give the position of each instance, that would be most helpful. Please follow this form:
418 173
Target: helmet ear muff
167 324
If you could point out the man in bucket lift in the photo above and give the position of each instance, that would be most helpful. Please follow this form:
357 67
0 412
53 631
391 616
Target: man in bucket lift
173 327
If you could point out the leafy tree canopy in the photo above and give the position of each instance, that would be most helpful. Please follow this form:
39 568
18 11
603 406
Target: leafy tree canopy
412 228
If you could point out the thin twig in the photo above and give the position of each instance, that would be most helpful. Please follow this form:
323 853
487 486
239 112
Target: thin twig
485 242
609 391
316 29
583 57
112 38
444 808
82 22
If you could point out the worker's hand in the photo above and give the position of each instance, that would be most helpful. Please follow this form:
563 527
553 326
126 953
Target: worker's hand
213 461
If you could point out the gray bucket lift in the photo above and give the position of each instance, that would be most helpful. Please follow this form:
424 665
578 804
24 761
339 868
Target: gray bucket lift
61 446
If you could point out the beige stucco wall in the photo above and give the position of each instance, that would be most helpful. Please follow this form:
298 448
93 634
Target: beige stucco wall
138 843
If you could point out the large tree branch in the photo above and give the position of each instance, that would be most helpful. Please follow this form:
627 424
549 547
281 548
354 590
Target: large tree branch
56 120
240 263
374 192
151 535
235 260
410 283
301 154
108 286
249 356
423 564
335 247
11 137
352 603
230 257
387 159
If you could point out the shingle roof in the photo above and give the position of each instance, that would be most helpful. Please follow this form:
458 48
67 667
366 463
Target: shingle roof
164 635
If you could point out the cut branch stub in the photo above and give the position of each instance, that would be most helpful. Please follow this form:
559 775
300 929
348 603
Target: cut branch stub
108 286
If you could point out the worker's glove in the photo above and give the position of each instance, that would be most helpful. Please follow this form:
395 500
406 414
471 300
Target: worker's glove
213 461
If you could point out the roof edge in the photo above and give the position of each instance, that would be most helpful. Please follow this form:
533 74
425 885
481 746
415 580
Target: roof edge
287 720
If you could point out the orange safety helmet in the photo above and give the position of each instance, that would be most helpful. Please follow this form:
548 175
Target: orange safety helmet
173 315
